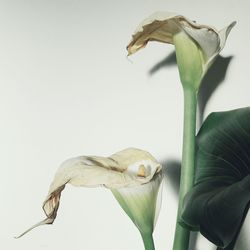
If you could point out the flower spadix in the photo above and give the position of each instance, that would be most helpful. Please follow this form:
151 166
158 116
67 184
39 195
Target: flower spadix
133 175
196 45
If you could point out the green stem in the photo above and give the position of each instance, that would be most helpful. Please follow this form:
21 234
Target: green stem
148 241
181 240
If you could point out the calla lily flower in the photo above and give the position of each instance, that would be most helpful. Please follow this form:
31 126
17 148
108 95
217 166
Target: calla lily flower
142 205
196 45
133 175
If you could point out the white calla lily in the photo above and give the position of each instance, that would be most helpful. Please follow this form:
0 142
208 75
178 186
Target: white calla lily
142 204
196 45
133 175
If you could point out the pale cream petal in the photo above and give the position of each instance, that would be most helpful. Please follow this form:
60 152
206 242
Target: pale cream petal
224 34
156 16
129 156
157 27
141 203
159 199
206 38
162 26
92 171
132 159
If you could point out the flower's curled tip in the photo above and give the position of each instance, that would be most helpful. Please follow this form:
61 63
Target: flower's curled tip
43 222
233 24
127 168
224 34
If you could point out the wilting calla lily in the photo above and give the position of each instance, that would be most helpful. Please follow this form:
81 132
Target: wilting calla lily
133 175
196 45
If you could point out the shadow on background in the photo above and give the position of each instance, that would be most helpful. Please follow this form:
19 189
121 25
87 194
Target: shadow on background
214 77
170 60
172 173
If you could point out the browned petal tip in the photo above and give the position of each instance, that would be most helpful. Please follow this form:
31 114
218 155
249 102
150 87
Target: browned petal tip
130 48
133 47
43 222
233 23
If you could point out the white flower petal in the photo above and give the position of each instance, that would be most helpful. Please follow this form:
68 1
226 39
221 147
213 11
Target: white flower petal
142 203
157 27
162 26
224 34
118 170
157 16
158 202
207 39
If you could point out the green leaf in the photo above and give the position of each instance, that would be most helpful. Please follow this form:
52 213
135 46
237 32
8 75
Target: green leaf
219 201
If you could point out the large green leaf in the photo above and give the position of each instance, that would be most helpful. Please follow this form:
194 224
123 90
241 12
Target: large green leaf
219 200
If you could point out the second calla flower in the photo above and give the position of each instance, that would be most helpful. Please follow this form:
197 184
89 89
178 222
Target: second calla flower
133 175
196 45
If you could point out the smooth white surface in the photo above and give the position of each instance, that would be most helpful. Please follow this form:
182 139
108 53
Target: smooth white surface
67 89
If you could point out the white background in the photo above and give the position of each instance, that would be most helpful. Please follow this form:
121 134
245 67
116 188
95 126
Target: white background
67 89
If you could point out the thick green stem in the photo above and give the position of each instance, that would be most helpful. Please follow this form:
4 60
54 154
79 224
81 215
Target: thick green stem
148 241
181 240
